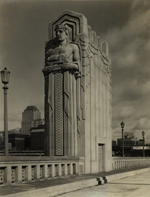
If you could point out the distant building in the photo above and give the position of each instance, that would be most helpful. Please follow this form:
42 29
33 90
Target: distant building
113 142
1 140
140 142
127 142
30 116
17 130
133 147
1 136
36 123
37 137
19 141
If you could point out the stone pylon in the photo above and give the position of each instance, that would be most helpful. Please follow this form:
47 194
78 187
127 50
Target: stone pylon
78 108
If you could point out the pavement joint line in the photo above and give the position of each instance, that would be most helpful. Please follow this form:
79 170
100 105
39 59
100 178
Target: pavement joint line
73 186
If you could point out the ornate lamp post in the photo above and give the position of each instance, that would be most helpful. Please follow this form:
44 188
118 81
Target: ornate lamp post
122 126
143 134
5 79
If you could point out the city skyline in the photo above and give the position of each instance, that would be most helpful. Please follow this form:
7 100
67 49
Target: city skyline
124 25
41 121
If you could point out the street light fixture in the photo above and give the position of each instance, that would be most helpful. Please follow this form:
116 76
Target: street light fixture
122 126
143 134
5 74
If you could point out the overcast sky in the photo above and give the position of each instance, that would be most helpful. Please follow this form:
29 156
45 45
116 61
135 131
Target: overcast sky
124 24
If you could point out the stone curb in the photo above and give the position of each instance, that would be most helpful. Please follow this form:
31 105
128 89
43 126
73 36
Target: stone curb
125 174
69 187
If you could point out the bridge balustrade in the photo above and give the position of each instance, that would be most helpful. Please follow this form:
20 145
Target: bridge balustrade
127 162
22 169
25 171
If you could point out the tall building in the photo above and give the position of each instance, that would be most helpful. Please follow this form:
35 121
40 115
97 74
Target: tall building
30 114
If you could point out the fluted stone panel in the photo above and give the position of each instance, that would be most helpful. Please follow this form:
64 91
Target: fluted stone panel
59 114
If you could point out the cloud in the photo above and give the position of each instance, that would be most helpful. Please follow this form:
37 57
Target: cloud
139 6
143 123
129 51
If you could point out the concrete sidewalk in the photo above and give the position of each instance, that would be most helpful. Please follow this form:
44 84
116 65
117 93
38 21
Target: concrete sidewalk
57 186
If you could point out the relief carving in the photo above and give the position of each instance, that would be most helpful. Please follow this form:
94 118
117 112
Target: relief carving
61 53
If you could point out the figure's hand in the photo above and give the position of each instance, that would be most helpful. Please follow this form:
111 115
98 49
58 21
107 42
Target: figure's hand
63 59
70 66
53 58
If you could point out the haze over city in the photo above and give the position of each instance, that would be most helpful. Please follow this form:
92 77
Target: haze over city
123 24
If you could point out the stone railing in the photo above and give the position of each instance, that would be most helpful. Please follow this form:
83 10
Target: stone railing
22 170
127 162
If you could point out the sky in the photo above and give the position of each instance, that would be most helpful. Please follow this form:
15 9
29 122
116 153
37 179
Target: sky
124 24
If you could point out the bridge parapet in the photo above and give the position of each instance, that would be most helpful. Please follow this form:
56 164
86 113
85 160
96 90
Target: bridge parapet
127 162
24 170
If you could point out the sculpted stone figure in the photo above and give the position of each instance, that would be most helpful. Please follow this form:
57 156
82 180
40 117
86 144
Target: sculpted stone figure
62 90
62 51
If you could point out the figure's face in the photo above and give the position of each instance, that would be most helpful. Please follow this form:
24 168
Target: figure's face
61 34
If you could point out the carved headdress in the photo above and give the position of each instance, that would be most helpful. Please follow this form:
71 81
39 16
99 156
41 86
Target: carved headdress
63 27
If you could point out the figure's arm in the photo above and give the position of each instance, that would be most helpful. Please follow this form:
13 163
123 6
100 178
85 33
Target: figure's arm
76 53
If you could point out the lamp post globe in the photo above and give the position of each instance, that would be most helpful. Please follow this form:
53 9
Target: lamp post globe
5 74
122 124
